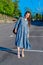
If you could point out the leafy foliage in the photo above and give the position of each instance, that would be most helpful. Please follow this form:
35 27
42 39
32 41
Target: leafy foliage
9 8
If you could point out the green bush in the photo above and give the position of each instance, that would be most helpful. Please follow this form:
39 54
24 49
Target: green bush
9 8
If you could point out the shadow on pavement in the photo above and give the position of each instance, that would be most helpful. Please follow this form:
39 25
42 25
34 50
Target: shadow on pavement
7 50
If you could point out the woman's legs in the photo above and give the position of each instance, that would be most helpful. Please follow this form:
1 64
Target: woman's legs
18 52
23 52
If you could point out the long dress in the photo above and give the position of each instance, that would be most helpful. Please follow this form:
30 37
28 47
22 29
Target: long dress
22 39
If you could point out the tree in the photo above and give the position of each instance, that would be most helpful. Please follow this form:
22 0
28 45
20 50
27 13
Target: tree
42 17
38 16
9 8
17 12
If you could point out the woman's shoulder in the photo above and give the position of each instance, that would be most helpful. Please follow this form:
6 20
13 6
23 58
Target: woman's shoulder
21 18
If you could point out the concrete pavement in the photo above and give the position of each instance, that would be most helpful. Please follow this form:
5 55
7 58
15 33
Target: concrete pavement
7 40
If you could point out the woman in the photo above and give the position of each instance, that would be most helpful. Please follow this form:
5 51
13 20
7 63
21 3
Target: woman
22 35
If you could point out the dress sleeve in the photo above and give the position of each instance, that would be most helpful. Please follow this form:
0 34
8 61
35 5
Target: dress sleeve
28 32
16 24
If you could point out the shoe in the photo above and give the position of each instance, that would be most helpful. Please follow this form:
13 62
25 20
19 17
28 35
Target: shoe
22 54
18 56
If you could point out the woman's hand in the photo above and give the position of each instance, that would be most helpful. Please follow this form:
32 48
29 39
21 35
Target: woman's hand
28 35
15 30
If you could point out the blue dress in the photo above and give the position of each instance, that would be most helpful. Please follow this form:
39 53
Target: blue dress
22 39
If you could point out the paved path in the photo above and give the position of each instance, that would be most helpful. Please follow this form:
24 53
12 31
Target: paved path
7 39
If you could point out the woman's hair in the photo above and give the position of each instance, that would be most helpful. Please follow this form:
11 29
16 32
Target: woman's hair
29 19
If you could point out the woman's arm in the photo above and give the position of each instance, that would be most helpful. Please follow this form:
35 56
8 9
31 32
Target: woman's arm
16 24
